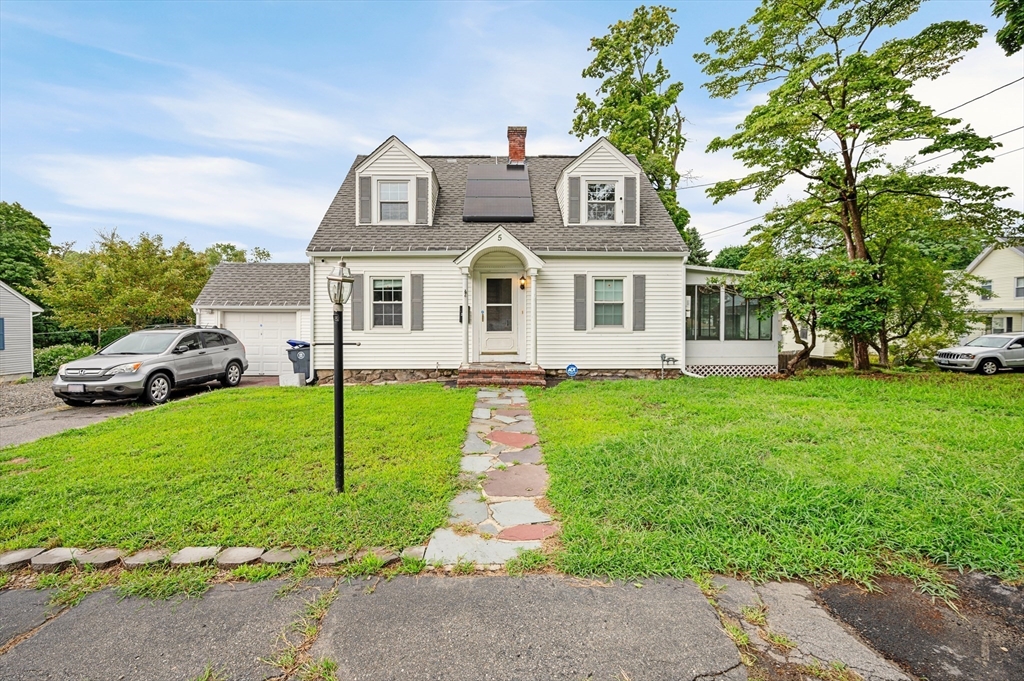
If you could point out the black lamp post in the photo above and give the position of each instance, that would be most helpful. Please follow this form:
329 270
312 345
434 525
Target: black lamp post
339 287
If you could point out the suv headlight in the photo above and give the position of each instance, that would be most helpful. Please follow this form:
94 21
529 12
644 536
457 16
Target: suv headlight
61 368
123 369
967 356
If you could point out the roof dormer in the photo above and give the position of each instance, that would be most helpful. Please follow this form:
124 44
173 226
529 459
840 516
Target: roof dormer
600 187
394 186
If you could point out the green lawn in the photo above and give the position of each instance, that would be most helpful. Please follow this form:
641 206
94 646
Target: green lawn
243 467
822 476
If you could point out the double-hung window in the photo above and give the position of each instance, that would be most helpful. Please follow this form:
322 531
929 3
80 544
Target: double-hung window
608 302
387 302
987 290
601 202
394 201
1018 287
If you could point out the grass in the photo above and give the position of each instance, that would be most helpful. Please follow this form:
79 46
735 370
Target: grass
252 467
823 477
187 582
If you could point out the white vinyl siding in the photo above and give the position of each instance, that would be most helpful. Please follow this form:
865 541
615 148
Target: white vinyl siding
393 161
1002 267
16 358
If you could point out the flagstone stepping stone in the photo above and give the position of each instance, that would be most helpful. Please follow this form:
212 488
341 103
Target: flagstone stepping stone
282 556
517 440
496 449
194 555
476 464
467 507
145 558
474 445
389 557
237 556
498 400
477 427
54 560
513 412
449 548
328 559
520 512
521 427
488 528
530 455
505 419
486 393
99 558
527 532
527 480
15 560
482 414
414 552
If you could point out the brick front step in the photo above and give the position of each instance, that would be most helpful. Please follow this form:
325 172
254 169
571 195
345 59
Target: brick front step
486 376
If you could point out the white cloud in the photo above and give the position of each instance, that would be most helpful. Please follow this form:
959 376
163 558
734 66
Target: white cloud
206 190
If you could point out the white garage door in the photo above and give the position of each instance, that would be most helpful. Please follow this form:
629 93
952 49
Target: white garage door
264 335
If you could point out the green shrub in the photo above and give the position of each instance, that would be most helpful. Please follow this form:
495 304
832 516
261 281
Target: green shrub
48 360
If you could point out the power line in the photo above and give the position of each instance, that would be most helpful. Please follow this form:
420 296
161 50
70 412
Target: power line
969 101
957 151
981 96
1008 152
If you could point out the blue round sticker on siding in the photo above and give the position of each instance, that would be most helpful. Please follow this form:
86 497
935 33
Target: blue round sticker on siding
571 370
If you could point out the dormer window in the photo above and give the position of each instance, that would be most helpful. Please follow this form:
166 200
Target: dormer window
601 202
394 201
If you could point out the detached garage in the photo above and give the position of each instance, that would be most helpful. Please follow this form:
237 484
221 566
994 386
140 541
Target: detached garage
264 304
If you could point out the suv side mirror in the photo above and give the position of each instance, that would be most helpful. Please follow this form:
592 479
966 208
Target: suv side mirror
1015 346
181 349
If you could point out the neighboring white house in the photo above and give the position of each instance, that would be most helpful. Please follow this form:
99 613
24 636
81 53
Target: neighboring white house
824 347
1001 269
16 313
264 304
521 263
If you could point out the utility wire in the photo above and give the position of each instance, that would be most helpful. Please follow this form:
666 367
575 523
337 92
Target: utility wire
957 151
969 101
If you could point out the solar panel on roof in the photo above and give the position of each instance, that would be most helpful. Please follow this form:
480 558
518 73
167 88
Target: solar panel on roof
497 193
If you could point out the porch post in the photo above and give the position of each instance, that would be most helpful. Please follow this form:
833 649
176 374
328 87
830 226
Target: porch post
465 316
533 318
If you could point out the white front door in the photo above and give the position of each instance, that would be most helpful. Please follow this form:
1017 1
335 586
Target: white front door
498 318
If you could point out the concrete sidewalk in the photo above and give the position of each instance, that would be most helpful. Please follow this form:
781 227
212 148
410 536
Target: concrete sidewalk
408 628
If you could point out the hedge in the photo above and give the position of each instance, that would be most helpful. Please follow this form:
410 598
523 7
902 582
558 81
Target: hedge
48 360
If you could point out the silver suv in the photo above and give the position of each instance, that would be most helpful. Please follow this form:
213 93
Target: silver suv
149 364
986 354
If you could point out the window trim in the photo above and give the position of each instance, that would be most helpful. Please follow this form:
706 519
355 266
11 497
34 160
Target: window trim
368 325
621 302
1018 287
620 184
410 199
627 299
987 285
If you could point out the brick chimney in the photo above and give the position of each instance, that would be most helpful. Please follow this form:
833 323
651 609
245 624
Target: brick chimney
516 145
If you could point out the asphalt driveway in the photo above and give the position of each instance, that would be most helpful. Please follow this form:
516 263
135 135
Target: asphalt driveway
29 426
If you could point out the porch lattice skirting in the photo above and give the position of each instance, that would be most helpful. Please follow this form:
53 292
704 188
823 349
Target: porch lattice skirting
746 370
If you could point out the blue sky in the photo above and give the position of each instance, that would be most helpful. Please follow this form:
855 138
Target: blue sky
237 121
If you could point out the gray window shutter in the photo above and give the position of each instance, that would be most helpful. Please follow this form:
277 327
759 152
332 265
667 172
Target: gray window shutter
629 202
574 200
416 297
421 201
580 302
639 302
356 302
365 207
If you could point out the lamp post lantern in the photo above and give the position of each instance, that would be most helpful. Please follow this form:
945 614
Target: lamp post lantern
339 287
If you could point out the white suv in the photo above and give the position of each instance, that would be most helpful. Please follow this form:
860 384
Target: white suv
985 354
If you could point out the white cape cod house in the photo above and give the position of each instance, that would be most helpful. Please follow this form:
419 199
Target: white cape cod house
480 266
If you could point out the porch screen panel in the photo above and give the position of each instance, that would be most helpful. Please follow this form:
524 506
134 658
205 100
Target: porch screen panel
691 293
757 328
735 316
709 299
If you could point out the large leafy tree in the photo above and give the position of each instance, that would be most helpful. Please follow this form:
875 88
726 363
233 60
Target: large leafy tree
225 252
637 106
731 257
119 282
826 293
24 243
839 98
1011 36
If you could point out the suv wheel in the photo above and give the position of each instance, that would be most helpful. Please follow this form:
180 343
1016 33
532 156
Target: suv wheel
988 367
232 375
158 389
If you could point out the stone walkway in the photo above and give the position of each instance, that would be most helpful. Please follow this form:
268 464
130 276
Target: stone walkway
494 522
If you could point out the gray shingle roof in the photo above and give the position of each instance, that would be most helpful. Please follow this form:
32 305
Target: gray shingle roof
255 284
338 230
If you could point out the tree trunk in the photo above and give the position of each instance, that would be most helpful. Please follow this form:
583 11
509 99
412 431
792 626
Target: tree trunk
861 360
883 350
805 351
